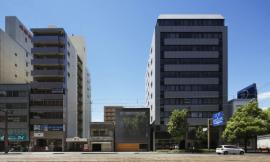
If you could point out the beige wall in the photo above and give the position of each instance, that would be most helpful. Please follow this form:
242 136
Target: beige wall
80 47
16 39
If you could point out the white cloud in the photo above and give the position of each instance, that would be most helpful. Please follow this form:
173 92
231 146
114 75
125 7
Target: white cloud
264 96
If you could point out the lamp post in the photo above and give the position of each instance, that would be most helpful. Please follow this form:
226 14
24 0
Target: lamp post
5 130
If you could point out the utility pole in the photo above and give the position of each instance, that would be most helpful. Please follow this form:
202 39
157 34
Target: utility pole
208 132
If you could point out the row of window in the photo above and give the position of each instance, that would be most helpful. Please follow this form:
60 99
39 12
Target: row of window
190 22
190 61
189 101
15 119
190 74
191 114
191 35
13 93
16 105
46 115
210 87
191 48
55 67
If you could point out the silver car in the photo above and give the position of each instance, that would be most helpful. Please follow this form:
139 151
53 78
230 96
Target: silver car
229 149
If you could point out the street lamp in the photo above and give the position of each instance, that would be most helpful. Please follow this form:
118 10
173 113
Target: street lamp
6 130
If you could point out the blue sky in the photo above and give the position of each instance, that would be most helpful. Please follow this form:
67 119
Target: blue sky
119 32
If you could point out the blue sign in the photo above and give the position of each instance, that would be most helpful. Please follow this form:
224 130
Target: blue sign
15 137
218 119
45 127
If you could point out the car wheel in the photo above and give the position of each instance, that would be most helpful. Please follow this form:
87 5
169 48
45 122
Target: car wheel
225 152
241 152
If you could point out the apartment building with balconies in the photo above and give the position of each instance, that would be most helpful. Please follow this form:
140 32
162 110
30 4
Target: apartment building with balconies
57 98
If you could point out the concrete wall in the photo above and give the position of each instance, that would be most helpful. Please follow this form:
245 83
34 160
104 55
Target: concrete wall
19 41
13 61
71 90
80 47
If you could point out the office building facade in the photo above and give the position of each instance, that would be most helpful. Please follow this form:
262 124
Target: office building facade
187 69
59 89
15 52
14 98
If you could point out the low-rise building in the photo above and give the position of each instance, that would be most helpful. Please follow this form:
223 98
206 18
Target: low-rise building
132 129
101 136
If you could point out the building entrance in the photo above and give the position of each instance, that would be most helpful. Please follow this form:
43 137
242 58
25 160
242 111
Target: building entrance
96 147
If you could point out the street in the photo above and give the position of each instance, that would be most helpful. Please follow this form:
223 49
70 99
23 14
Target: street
129 157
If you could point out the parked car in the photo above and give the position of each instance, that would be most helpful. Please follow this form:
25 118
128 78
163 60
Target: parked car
229 149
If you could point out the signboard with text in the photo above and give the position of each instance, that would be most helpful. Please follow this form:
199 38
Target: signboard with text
218 119
45 127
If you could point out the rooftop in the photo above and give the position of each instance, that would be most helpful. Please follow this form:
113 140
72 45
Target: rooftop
190 16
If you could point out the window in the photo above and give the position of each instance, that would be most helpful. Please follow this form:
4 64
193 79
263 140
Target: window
15 54
26 64
25 39
26 54
15 65
15 76
68 74
27 73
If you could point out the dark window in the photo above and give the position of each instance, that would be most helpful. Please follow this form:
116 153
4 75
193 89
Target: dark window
190 61
190 22
190 74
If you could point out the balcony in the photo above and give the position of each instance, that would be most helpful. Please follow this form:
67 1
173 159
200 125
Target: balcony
47 61
47 85
46 109
47 50
46 73
46 121
38 97
49 40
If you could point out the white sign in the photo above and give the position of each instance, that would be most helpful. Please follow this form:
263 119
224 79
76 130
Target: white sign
76 139
204 129
38 134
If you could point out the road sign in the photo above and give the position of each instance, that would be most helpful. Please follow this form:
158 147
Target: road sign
218 119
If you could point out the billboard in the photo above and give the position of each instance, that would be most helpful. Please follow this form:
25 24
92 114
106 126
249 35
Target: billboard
218 119
249 92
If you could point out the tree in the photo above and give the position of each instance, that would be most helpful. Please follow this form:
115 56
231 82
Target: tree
201 137
246 123
267 111
177 125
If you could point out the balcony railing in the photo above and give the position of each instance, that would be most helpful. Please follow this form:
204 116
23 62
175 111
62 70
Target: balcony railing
47 85
50 40
47 50
47 61
46 73
38 97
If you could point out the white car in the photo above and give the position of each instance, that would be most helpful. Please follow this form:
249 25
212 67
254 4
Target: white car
229 149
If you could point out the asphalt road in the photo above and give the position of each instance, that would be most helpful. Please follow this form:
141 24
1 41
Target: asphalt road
129 157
